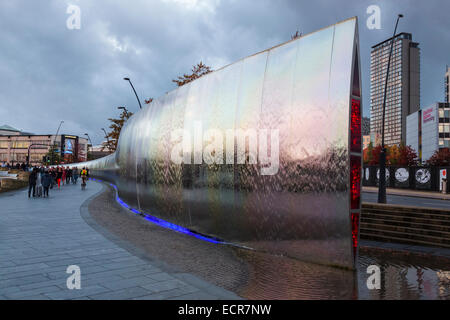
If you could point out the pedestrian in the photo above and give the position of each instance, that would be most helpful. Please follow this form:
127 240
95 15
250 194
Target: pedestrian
46 182
83 174
63 177
59 175
69 175
38 182
74 175
53 176
32 183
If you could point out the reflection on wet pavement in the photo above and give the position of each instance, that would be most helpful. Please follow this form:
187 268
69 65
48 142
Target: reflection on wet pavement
402 277
405 277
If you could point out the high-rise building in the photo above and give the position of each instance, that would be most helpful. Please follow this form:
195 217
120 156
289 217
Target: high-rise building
403 90
365 128
447 84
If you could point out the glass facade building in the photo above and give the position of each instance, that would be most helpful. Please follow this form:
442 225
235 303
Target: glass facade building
403 89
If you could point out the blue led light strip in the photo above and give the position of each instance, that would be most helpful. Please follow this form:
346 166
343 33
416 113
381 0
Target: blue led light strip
166 224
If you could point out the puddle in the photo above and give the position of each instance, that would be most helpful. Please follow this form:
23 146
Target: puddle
402 277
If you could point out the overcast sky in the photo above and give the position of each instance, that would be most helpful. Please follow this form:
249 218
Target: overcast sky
50 73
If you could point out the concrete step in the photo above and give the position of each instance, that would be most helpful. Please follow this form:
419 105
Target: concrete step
407 230
410 237
403 224
434 224
374 205
366 234
408 224
437 215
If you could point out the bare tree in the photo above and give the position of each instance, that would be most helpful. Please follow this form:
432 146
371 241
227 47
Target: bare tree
198 71
116 126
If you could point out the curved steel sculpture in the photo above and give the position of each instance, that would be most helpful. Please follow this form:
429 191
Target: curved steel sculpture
265 152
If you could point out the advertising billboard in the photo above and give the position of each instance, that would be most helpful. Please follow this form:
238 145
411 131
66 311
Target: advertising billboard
69 148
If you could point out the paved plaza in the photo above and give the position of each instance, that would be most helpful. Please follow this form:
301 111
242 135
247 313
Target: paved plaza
40 238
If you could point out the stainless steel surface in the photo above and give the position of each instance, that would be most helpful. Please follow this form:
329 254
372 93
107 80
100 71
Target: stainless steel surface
302 89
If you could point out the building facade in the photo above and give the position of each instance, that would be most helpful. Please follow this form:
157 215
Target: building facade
403 89
365 128
366 141
413 132
100 151
429 129
447 84
16 146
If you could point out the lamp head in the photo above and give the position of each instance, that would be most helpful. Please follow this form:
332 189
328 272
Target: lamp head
126 79
400 16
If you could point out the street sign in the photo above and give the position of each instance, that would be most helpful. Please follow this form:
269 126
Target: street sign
442 175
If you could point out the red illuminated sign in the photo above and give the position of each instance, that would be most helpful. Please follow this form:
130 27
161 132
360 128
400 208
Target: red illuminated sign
355 181
355 198
428 115
355 127
355 229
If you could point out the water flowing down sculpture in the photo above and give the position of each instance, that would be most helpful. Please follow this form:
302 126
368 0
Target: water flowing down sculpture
263 153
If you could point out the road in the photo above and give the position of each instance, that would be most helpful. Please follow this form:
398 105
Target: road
408 200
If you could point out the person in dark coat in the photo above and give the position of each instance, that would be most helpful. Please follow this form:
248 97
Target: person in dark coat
68 175
46 182
74 175
32 183
59 175
53 176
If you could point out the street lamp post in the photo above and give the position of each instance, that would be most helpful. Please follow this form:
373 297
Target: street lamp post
106 135
53 144
88 146
29 148
88 138
107 139
382 177
124 109
128 79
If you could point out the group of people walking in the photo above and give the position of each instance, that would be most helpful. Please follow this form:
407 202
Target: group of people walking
42 179
17 166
